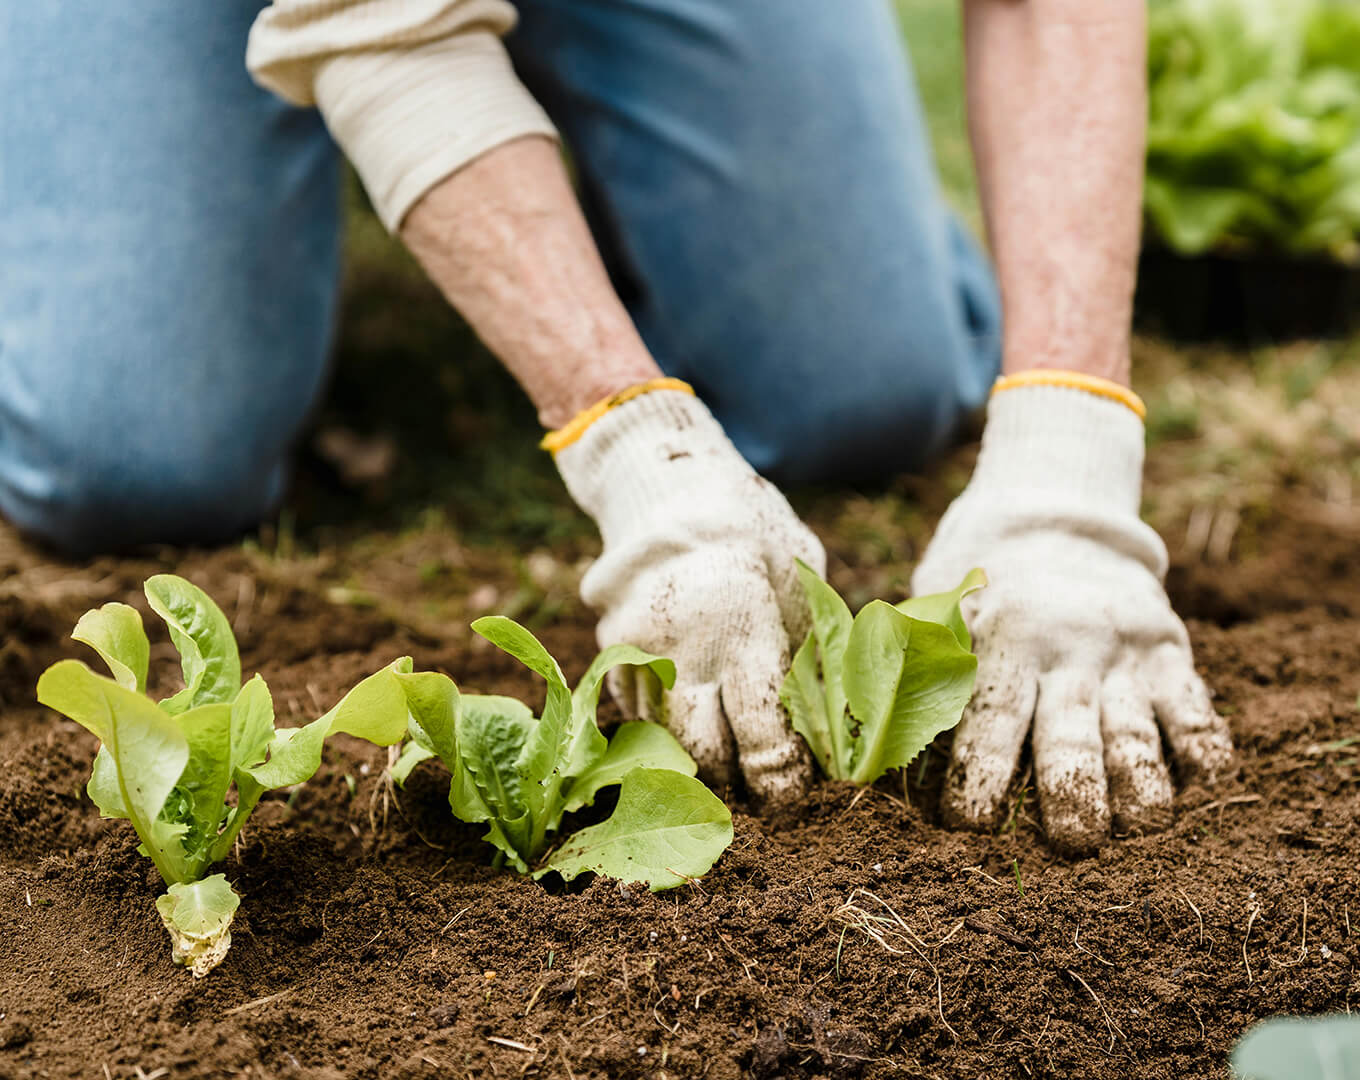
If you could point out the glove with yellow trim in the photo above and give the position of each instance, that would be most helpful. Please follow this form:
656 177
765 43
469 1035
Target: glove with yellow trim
698 565
1076 639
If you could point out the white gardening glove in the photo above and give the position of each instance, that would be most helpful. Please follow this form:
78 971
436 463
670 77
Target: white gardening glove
698 565
1074 634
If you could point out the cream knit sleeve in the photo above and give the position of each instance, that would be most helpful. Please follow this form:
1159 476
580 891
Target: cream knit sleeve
411 89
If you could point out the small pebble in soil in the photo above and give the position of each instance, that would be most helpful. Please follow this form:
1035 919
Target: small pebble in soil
15 1034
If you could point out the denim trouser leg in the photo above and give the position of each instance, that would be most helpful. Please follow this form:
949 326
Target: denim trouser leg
760 177
169 254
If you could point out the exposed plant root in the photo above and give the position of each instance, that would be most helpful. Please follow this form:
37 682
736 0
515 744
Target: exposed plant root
1253 911
891 932
1198 917
1109 1021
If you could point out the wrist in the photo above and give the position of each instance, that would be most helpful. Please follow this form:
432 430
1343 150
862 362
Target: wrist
574 389
1105 355
1072 380
1063 442
634 460
1111 365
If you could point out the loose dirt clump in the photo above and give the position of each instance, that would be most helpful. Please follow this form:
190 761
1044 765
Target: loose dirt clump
860 939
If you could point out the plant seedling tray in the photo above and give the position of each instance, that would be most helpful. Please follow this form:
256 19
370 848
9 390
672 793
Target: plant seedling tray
1245 300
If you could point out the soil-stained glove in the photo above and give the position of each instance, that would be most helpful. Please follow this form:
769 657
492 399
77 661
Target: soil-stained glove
1074 634
698 565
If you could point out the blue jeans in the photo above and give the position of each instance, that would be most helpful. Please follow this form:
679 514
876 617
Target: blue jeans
757 174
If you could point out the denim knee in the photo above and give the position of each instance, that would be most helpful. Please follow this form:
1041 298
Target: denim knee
169 292
878 413
85 491
859 390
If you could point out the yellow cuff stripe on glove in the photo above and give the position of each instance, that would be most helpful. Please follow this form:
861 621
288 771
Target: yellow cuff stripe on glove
574 428
1073 380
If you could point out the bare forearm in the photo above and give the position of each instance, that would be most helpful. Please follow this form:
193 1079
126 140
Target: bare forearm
1056 93
505 240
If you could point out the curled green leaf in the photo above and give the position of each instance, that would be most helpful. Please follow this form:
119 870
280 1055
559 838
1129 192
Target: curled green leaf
869 693
201 633
198 917
116 633
667 829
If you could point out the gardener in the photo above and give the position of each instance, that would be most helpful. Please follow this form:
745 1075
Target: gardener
770 284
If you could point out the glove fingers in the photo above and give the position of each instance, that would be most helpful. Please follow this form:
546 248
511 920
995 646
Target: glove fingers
1069 765
1198 736
694 715
1140 787
788 590
774 760
987 745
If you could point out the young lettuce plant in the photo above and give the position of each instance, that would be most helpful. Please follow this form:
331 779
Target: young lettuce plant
167 766
870 693
520 774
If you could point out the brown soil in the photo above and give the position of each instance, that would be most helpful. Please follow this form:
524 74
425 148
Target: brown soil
376 941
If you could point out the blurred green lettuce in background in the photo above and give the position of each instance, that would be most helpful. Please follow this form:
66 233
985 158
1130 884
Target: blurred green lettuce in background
1254 126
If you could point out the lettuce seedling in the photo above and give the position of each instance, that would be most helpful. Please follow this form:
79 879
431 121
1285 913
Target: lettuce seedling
168 766
870 693
520 774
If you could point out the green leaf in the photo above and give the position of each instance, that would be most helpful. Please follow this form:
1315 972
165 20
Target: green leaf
493 735
831 630
906 681
198 916
432 704
204 782
252 734
635 745
585 743
586 696
545 749
508 636
511 771
103 787
376 709
667 829
465 799
1289 1048
944 608
434 707
146 745
252 725
294 755
248 792
805 700
115 632
201 633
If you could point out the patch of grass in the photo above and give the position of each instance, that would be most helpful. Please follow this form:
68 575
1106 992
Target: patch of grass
934 37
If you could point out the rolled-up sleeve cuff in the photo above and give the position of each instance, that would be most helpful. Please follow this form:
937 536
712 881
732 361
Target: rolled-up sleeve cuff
408 117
